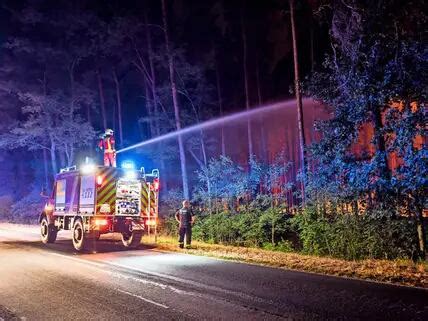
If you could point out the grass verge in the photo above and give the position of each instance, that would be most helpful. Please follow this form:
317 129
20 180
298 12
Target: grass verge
403 272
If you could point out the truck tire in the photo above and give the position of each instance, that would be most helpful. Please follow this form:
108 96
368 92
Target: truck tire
80 240
132 240
48 231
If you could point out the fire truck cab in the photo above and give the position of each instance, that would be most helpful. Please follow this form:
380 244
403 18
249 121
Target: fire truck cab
94 200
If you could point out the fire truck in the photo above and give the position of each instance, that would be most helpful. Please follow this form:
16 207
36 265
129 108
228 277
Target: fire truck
94 200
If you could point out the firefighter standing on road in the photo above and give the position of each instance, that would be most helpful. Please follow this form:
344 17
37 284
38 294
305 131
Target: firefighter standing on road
107 145
185 217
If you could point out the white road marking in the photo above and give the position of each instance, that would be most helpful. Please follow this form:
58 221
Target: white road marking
104 267
164 276
194 283
144 299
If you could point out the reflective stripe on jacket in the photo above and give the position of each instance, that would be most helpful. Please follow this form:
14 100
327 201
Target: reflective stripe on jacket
107 144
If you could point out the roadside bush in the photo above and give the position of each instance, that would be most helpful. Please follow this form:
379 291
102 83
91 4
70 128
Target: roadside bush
282 246
169 226
216 228
274 225
373 235
253 228
28 209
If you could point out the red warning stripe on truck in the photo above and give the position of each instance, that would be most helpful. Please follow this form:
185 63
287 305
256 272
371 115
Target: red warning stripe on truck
144 198
106 193
147 198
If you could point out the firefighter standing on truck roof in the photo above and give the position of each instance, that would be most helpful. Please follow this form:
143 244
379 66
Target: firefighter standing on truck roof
185 217
107 145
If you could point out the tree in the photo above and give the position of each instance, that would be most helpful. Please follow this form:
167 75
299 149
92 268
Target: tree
119 104
300 122
47 126
247 94
375 78
220 102
175 103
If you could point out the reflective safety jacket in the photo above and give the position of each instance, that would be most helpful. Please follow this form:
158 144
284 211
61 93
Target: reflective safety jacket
107 144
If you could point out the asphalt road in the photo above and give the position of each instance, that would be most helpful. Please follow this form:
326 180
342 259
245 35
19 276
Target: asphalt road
53 282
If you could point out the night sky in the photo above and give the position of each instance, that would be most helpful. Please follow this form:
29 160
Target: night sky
206 37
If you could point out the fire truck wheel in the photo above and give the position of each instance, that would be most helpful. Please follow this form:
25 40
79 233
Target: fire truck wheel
48 231
132 240
80 240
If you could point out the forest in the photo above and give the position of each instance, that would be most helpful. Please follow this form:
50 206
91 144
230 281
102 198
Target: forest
340 170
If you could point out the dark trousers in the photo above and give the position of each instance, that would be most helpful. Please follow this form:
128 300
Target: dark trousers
185 231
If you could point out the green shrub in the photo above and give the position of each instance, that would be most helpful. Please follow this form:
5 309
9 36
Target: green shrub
253 227
28 209
281 246
373 235
353 237
215 228
169 226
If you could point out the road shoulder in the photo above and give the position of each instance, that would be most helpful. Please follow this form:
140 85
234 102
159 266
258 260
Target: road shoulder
398 272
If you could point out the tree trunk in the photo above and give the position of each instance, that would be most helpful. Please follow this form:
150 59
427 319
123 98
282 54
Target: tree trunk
220 105
247 95
273 232
380 142
71 76
210 206
69 153
300 119
203 150
102 101
175 103
261 118
294 163
53 157
152 73
45 165
119 105
62 158
421 232
155 107
149 109
312 45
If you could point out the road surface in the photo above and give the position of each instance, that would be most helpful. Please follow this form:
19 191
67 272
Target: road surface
46 282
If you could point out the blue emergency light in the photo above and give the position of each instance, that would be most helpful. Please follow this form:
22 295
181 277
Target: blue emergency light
128 165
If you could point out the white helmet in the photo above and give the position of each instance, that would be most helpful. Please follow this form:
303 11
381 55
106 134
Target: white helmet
109 132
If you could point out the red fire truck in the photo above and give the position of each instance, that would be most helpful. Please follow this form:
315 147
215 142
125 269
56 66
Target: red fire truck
94 200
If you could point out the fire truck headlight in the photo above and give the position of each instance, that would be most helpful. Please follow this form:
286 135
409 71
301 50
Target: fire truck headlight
151 222
101 221
87 168
130 175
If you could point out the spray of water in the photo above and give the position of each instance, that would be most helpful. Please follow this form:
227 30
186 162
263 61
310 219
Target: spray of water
211 123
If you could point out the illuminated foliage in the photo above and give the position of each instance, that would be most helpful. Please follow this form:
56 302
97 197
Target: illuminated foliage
378 60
